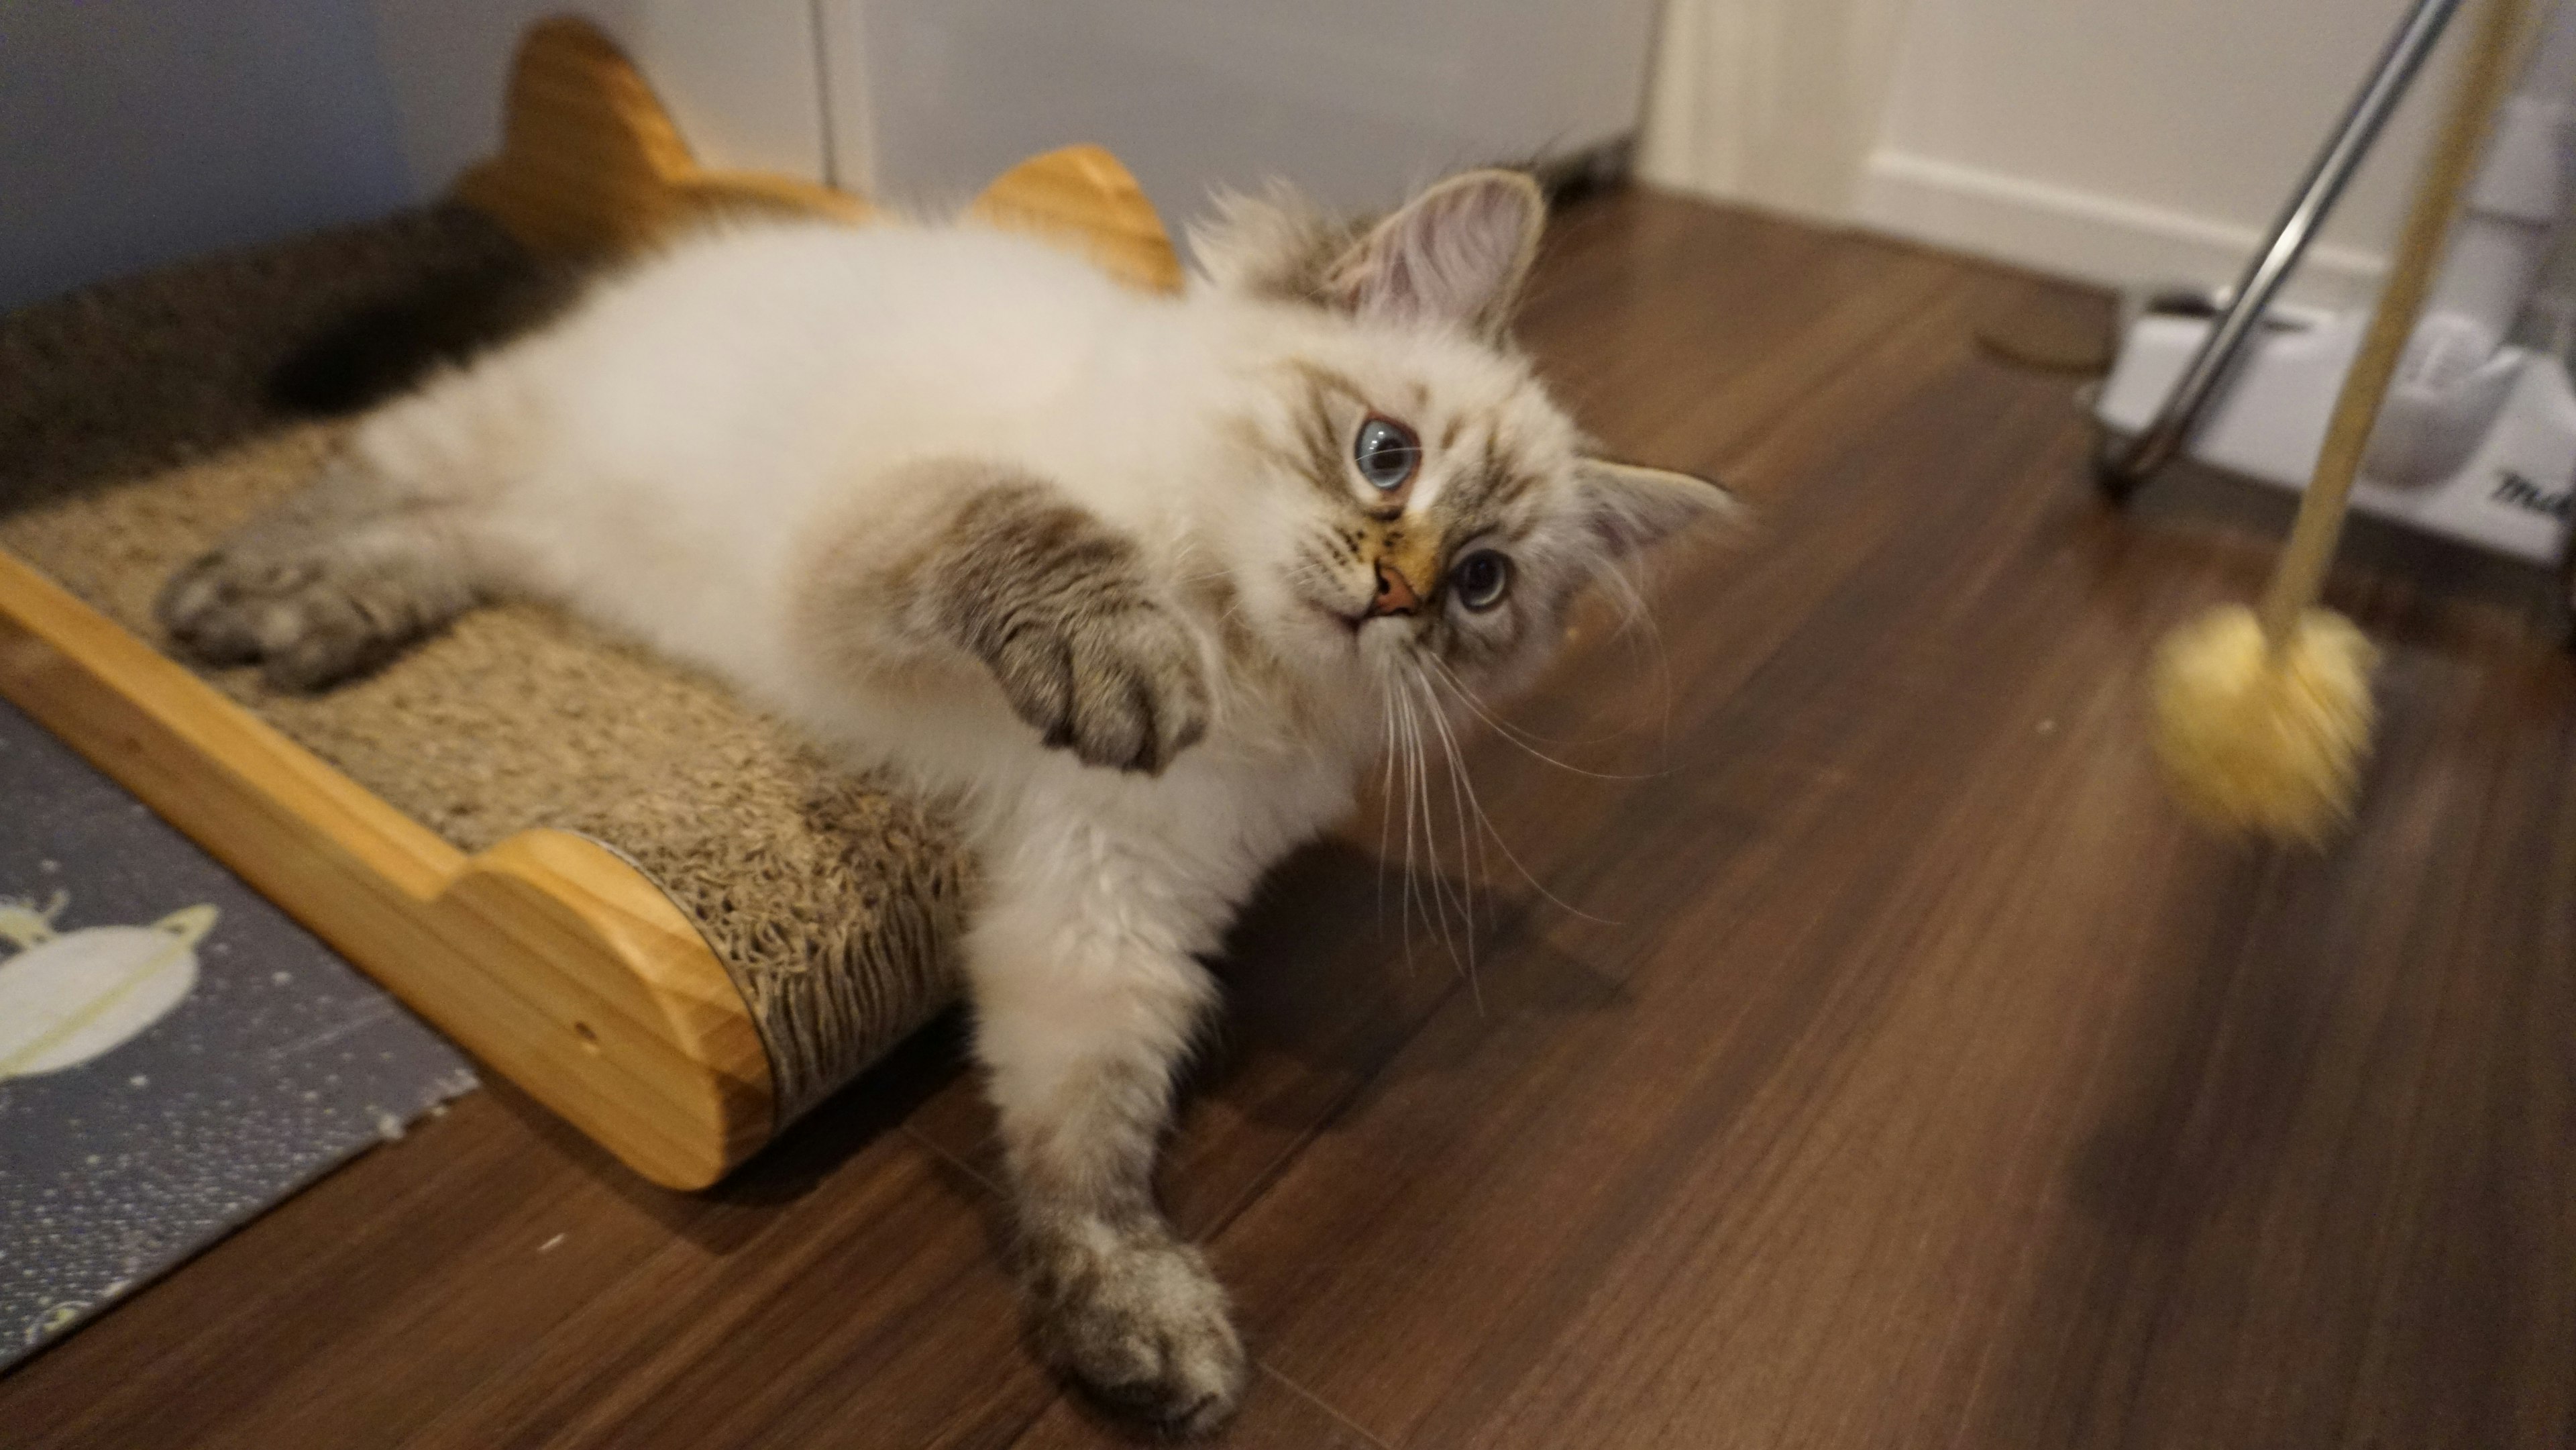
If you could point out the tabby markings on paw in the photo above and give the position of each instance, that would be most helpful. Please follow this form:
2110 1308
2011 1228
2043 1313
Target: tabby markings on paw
1136 1318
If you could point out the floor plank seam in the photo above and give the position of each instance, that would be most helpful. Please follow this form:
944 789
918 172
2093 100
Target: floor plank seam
932 1146
1277 1168
1319 1402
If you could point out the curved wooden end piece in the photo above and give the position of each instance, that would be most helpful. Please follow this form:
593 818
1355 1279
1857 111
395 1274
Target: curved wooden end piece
1082 196
601 1000
547 957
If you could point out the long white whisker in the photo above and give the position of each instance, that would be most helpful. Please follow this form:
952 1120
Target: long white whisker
1443 890
1405 901
1435 903
1471 858
1468 697
1505 847
1473 842
1431 708
1386 791
1525 734
1628 593
1460 894
1645 623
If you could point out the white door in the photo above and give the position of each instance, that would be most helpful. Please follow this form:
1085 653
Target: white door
1357 101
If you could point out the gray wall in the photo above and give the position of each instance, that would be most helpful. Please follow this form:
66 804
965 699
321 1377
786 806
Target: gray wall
138 132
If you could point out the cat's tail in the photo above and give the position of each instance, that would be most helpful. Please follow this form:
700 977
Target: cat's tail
389 344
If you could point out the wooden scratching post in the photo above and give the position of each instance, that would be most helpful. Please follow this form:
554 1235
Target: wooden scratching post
548 956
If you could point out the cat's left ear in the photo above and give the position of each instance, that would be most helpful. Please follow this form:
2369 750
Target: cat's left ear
1455 254
1631 507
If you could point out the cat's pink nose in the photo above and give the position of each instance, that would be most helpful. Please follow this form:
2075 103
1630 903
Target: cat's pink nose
1394 592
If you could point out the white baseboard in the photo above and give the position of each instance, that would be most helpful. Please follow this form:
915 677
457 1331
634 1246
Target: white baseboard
2085 235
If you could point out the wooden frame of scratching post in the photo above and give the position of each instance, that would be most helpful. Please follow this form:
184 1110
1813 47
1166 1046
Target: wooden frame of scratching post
550 958
555 963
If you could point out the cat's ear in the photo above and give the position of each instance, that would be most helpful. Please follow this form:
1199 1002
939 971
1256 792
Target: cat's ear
1455 254
1630 507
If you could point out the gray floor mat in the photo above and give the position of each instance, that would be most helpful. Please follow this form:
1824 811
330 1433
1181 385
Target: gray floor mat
175 1054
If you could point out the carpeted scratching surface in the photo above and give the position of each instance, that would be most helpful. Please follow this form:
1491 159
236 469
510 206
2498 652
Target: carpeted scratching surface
135 429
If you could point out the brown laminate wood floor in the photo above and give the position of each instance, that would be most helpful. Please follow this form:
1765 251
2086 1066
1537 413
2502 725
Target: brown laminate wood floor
1883 1062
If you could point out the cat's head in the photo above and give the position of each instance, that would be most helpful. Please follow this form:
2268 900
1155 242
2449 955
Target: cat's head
1423 507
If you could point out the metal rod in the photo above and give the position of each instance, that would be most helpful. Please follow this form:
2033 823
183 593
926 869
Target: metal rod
2165 435
2449 171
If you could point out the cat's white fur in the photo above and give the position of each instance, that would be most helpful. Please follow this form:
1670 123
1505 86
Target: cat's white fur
664 454
673 459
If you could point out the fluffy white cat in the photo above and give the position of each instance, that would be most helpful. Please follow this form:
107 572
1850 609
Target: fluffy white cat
1138 581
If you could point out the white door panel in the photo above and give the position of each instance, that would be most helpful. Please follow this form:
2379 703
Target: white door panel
1356 100
740 77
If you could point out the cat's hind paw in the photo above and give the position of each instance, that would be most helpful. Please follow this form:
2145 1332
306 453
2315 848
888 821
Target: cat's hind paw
1140 1323
309 620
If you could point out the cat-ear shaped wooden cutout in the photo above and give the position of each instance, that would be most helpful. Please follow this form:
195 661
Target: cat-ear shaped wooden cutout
591 165
1081 197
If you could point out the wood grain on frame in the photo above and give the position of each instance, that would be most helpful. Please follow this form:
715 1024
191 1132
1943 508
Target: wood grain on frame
546 956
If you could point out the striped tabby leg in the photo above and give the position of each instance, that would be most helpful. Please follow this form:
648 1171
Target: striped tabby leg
1080 1021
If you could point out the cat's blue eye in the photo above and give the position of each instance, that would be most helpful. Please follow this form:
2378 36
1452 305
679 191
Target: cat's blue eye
1387 453
1481 579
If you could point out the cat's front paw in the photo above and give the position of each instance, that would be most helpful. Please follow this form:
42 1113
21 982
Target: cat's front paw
1139 1321
307 624
1123 688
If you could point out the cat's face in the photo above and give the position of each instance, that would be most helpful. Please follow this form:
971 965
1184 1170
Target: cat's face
1428 512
